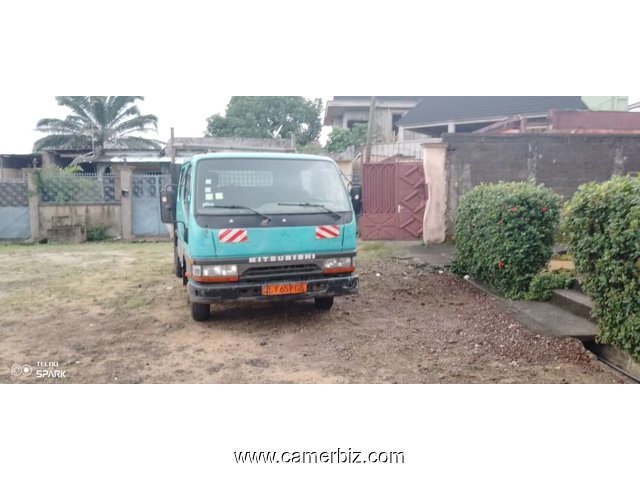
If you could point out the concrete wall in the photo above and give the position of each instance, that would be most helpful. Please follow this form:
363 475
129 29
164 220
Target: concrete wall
383 121
11 174
87 215
560 162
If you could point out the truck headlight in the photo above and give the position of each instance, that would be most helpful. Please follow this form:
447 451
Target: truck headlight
215 273
219 270
339 265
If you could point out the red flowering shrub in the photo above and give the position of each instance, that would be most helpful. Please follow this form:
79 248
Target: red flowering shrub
505 234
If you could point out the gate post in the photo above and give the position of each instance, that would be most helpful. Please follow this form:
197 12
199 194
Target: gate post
34 207
125 202
435 171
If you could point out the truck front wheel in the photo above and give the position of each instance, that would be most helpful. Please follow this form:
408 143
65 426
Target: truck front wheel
324 303
200 312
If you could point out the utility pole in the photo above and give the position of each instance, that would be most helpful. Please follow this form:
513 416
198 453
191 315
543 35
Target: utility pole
173 149
372 111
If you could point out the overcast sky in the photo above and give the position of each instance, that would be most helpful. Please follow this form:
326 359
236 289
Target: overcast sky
187 114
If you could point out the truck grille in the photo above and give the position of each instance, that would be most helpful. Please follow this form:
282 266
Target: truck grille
281 272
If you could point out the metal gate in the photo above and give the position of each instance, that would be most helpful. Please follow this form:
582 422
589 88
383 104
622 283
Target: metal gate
394 198
146 205
14 211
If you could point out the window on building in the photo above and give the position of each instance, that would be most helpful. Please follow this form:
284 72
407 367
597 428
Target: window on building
395 119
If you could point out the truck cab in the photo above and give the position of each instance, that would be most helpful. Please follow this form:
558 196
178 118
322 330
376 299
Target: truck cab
262 227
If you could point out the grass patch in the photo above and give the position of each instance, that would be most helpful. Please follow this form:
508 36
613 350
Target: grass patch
375 249
130 302
111 276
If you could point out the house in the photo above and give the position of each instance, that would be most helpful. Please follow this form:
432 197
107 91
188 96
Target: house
176 150
12 166
143 161
346 112
434 116
610 104
182 147
402 119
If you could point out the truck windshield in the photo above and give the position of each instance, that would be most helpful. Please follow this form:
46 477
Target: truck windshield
269 186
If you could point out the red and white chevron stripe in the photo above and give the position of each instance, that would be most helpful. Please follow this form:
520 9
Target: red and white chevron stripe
327 232
233 235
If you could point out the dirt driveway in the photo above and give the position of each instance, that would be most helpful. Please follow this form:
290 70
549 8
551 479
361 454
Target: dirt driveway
113 313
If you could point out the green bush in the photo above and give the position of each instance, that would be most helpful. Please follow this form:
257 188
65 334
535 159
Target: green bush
505 234
602 224
544 283
97 234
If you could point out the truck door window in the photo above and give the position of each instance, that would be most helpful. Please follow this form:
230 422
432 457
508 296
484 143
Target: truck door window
187 191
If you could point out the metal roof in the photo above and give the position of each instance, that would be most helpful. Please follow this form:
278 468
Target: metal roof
440 110
135 160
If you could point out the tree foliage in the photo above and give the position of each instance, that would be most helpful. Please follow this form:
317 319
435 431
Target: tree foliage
342 138
339 140
269 117
98 122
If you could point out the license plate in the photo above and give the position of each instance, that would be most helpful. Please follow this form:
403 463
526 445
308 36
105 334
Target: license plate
284 289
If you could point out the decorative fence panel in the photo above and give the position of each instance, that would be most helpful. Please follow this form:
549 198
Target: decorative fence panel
65 189
146 205
14 211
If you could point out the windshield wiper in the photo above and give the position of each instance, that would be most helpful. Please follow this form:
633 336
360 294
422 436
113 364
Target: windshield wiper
266 218
336 215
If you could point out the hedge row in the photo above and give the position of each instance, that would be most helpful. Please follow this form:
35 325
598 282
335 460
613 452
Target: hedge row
603 228
505 234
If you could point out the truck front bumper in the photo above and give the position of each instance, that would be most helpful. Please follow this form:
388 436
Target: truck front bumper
230 292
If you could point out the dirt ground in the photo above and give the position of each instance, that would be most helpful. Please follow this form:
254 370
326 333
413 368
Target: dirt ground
113 313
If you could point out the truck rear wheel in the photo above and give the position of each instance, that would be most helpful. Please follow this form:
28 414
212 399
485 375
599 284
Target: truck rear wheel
200 312
324 303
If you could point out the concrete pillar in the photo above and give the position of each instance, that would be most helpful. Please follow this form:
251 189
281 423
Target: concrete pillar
435 215
34 207
451 127
126 198
48 159
401 134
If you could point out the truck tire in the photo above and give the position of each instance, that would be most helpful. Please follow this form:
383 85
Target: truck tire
200 312
324 303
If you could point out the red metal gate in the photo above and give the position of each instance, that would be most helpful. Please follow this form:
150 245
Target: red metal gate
394 197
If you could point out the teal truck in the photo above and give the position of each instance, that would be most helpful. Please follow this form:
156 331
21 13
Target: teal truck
261 226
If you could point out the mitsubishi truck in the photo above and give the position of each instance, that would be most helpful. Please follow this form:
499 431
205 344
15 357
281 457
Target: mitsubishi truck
261 227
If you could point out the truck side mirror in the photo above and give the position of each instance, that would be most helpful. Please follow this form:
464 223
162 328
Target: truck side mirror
168 205
356 199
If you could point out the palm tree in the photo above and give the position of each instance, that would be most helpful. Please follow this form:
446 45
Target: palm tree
98 123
